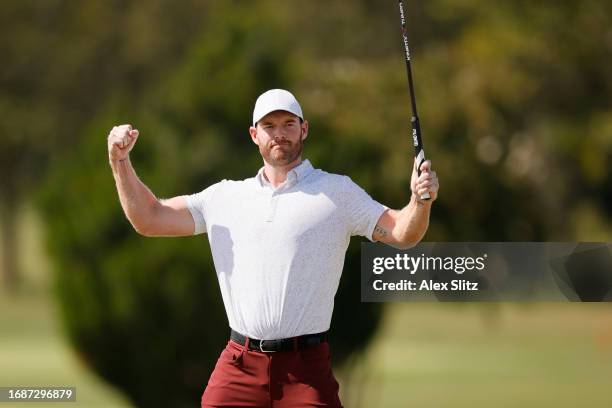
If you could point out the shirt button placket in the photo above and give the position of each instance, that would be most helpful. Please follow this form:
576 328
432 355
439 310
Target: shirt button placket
272 206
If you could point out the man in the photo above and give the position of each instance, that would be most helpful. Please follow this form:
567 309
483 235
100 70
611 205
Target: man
278 242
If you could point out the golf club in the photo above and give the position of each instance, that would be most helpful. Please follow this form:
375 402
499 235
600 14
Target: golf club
416 127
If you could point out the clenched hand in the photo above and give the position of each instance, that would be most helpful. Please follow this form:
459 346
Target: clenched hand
121 140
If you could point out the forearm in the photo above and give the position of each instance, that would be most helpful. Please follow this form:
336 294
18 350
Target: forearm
412 222
137 201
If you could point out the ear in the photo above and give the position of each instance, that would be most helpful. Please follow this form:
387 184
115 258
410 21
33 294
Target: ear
304 130
253 133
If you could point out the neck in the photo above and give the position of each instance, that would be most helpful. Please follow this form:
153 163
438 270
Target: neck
277 175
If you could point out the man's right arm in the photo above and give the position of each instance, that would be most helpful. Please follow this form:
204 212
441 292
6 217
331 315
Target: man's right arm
148 215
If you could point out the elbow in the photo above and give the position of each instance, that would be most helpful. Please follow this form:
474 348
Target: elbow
409 242
402 244
144 226
143 230
144 223
406 245
411 239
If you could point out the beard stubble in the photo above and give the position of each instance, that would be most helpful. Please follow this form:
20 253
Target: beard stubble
281 154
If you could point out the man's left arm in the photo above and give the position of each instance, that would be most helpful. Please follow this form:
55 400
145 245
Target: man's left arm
404 228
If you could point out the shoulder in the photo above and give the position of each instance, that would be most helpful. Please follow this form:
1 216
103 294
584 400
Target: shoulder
341 182
335 183
218 193
327 178
209 191
226 186
339 187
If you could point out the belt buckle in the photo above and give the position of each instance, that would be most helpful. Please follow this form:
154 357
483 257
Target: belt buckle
261 342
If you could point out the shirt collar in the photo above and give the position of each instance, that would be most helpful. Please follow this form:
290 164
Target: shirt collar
295 175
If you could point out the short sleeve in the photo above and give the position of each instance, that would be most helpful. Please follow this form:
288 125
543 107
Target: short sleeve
199 205
361 210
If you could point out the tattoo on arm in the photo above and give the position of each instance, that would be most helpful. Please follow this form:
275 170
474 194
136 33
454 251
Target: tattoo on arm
380 231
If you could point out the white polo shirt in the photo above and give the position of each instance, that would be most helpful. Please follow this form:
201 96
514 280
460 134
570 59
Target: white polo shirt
278 253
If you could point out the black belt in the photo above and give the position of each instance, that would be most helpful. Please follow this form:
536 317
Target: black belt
288 344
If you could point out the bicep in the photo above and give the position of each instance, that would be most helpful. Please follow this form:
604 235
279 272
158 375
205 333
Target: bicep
385 230
172 218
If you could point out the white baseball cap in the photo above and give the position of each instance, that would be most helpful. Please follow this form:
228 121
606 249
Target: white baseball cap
273 100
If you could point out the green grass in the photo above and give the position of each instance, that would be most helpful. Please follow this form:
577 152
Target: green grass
34 353
485 355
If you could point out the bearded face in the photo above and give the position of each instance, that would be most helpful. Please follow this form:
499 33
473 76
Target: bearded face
280 136
281 152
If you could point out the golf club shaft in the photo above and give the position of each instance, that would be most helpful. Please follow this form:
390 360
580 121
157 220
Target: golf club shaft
416 126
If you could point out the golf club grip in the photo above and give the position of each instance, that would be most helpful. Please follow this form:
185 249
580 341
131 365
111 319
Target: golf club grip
419 153
420 159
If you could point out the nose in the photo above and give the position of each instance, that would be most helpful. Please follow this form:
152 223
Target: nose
280 133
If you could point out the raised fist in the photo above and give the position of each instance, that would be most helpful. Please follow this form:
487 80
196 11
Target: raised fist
121 139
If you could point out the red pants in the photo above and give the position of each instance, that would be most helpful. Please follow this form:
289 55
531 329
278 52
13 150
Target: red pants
247 378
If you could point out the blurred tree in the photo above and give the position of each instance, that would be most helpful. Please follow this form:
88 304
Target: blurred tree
62 61
515 110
